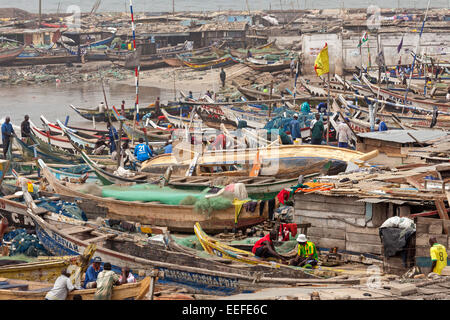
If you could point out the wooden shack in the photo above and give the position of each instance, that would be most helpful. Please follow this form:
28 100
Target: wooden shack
394 145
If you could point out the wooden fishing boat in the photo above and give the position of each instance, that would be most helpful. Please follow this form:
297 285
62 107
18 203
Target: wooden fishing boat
97 133
44 59
277 66
179 266
257 94
73 50
42 271
174 217
217 63
90 114
412 100
287 161
258 188
56 140
173 62
135 132
214 247
11 289
9 55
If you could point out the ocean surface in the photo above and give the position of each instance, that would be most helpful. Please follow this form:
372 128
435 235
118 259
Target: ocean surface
53 6
52 101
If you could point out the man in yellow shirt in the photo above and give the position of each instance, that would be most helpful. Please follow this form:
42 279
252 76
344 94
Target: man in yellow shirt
438 255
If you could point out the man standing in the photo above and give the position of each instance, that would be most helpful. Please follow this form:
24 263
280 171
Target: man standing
158 107
63 285
7 133
142 151
122 109
92 273
438 255
105 282
343 134
113 136
306 253
294 126
223 76
25 130
264 247
317 130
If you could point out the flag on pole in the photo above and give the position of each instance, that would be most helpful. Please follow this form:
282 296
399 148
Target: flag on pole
322 64
363 40
399 47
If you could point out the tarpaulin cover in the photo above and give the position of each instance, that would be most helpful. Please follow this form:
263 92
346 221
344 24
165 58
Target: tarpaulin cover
395 239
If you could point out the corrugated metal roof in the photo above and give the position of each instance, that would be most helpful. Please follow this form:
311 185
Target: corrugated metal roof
402 136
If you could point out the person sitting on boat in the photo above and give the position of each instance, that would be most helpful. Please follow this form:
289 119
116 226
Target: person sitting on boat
264 247
7 133
294 126
223 76
168 147
343 134
25 130
190 95
249 54
92 272
142 151
127 276
63 285
105 282
317 130
381 125
306 253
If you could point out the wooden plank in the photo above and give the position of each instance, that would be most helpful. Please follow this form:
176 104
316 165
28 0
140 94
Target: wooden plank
303 197
318 222
333 216
442 211
363 248
365 230
362 238
327 242
348 208
326 233
78 229
423 240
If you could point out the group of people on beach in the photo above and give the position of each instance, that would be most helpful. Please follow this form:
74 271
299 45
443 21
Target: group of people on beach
103 279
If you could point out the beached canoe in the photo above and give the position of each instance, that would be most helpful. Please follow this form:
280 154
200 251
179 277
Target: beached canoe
178 265
9 55
31 290
280 161
216 63
270 67
175 217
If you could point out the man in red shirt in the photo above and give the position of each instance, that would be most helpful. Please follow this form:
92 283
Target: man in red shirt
264 248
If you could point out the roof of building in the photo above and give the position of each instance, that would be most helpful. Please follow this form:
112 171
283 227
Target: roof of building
225 26
404 136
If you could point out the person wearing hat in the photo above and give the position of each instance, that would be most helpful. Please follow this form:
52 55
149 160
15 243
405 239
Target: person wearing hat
306 253
92 272
294 127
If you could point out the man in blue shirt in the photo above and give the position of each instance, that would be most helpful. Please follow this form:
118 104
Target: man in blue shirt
168 147
294 126
113 136
92 272
142 151
381 125
7 133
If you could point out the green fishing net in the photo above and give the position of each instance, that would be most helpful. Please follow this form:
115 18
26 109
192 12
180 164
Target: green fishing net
208 205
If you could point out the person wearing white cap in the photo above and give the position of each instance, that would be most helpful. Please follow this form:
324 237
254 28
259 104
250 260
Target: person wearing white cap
306 253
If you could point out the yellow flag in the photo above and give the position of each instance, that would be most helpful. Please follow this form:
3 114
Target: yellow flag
322 65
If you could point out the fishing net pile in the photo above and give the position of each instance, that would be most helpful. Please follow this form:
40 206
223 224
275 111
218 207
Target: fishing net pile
78 169
24 243
64 208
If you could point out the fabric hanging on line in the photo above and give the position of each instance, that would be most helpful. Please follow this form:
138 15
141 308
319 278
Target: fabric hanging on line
286 229
238 204
283 196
